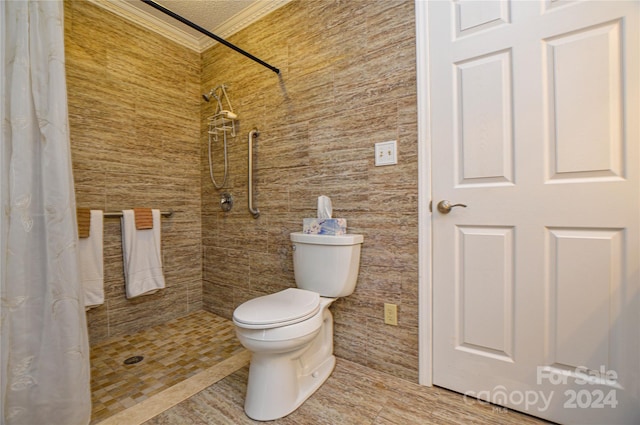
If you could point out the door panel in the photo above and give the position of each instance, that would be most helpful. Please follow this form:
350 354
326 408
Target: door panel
584 89
483 119
534 126
585 271
485 326
473 16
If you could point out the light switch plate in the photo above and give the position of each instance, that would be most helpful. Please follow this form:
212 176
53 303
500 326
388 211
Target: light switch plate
386 153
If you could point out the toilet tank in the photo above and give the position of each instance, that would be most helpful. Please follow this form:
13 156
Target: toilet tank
326 264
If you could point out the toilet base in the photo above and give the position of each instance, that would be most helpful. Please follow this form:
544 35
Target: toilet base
275 390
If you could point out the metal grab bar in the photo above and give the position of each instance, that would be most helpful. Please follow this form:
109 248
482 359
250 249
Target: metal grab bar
254 212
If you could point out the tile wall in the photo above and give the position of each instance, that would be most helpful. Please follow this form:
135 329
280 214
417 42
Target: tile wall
348 80
134 115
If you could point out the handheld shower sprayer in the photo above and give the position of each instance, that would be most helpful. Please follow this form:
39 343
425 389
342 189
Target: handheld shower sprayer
221 125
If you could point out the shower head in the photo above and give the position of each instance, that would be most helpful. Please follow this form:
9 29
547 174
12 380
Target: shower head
207 97
214 93
219 93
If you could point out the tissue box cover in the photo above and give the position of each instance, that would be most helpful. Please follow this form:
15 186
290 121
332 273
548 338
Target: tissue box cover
324 226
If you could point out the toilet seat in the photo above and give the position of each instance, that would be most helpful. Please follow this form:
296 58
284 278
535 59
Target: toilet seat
283 308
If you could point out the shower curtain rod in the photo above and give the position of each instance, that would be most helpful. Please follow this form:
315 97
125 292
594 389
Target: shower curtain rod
210 34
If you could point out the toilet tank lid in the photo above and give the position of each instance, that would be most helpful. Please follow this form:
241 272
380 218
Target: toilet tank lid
285 307
348 239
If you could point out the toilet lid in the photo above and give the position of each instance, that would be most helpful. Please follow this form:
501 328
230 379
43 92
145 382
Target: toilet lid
282 308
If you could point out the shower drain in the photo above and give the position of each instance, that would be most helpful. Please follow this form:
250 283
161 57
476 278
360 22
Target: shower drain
133 360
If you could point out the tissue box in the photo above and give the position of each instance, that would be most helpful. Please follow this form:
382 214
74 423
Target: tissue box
324 226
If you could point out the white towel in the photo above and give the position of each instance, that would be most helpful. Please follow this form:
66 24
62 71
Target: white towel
92 263
142 257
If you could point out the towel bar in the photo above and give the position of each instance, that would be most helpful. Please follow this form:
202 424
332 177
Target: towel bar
119 214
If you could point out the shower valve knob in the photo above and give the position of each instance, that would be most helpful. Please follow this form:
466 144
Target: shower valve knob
226 202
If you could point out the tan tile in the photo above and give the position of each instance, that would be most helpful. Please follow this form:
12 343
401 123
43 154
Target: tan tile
353 395
134 124
173 352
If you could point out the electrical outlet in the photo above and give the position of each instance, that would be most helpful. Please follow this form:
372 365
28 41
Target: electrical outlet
391 314
386 153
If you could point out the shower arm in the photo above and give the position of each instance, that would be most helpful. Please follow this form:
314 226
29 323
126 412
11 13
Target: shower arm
254 212
210 34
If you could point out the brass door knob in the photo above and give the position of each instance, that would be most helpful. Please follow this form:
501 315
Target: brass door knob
445 206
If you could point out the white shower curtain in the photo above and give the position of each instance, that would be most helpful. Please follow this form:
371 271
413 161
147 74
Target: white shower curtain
44 344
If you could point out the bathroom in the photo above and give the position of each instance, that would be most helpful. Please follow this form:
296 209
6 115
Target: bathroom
138 138
137 120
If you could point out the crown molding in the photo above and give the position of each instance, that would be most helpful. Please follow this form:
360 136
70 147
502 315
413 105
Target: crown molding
240 21
148 21
231 26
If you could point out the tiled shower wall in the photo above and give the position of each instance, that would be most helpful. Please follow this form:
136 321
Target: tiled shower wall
348 80
134 121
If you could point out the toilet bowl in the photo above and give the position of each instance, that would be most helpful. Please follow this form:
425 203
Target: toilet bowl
290 333
288 362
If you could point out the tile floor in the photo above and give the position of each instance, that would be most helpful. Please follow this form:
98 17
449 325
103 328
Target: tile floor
172 353
195 373
353 395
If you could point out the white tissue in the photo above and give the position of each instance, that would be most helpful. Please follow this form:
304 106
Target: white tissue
324 207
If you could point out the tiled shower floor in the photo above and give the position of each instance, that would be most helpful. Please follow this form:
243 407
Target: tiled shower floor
172 353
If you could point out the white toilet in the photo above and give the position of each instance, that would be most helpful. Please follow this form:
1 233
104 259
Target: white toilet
290 333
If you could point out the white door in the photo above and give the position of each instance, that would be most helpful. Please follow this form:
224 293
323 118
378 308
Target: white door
536 283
